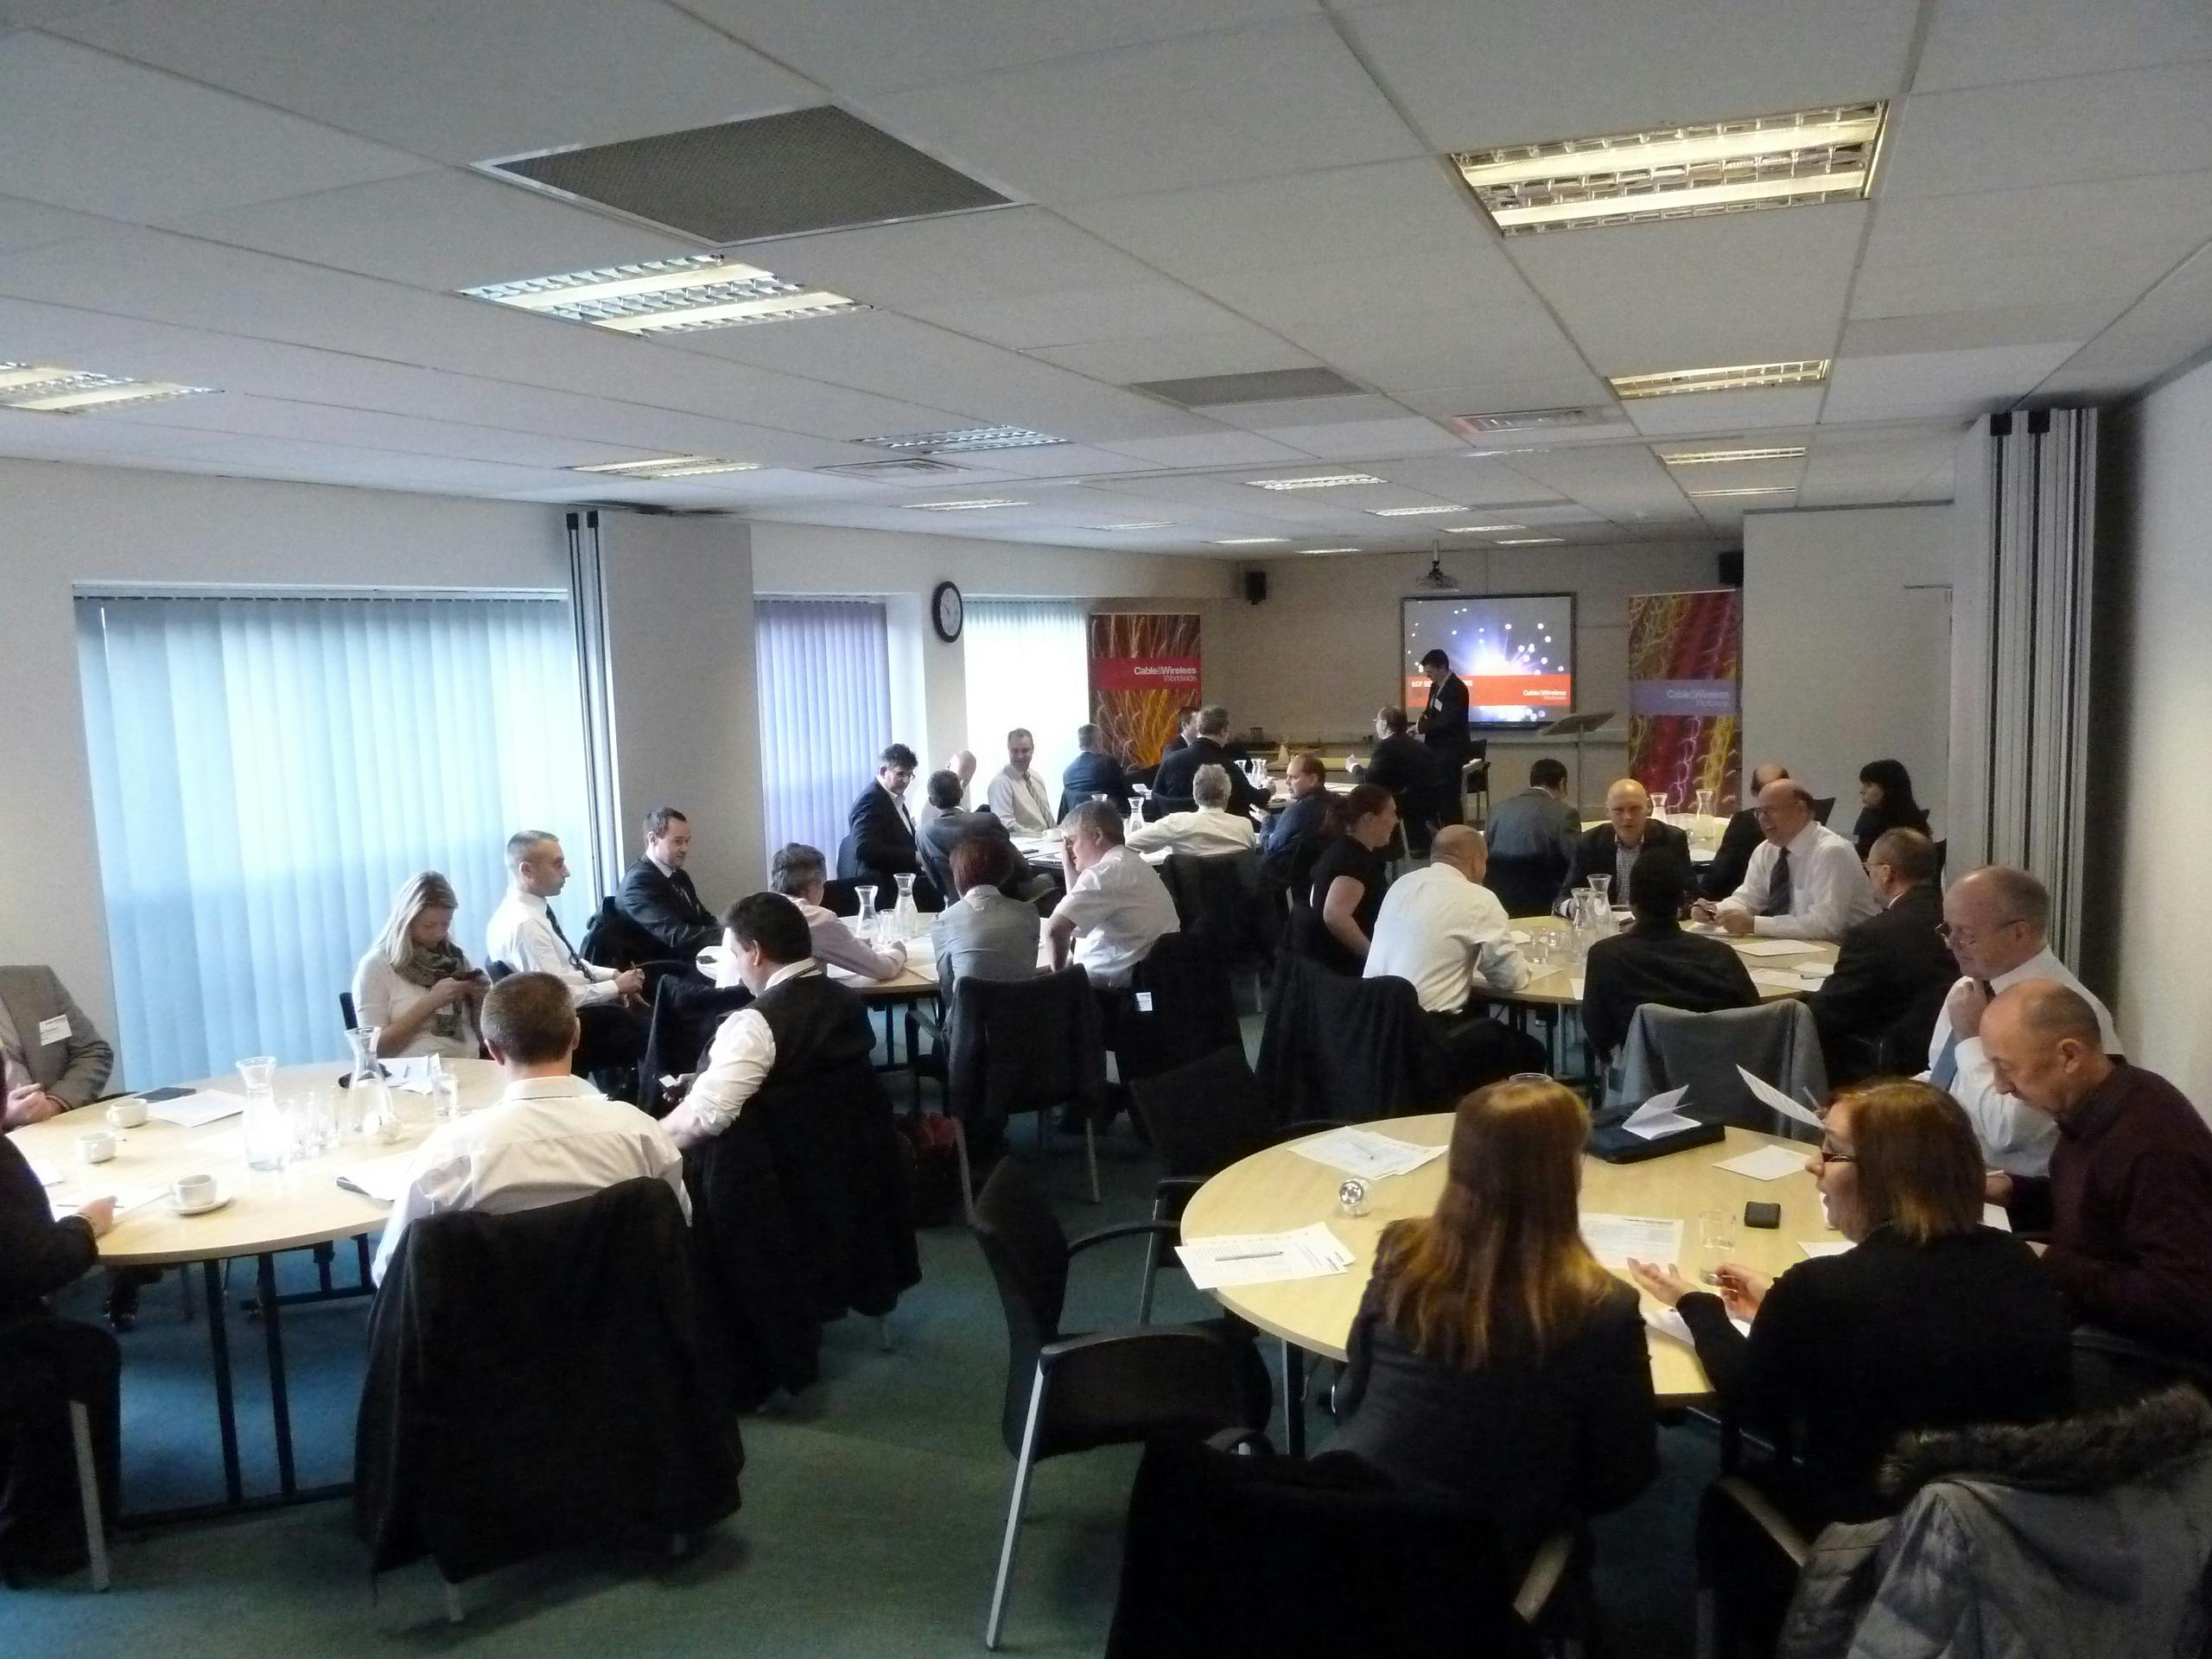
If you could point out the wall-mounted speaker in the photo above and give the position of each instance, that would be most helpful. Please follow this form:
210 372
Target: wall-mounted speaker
1255 587
1731 569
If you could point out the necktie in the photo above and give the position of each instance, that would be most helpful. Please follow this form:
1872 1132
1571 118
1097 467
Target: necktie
1945 1071
574 961
1778 890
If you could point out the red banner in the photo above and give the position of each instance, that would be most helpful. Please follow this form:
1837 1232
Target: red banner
1501 691
1144 666
1144 673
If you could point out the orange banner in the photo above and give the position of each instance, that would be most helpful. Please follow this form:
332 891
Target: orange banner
1144 666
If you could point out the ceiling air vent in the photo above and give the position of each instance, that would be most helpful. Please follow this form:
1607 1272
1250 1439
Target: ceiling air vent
1266 386
818 169
892 471
1532 420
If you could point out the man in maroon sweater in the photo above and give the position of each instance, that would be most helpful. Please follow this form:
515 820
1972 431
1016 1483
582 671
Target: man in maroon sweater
2128 1200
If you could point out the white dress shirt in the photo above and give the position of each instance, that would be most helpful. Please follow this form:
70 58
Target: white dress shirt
1120 907
2015 1138
1828 889
1020 802
1443 934
380 996
521 935
1206 832
738 1063
837 946
547 1140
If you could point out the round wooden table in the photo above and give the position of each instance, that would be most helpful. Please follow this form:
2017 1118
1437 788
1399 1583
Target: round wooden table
269 1211
1277 1190
1557 985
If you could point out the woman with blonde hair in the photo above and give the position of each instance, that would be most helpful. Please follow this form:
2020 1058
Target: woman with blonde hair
415 985
1492 1359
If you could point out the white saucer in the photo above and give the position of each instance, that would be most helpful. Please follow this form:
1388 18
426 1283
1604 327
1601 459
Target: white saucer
216 1203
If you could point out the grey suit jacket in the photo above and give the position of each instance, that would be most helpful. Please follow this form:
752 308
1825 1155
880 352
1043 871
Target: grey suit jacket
73 1068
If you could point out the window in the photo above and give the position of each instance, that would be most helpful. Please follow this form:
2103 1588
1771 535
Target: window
1028 664
267 771
824 667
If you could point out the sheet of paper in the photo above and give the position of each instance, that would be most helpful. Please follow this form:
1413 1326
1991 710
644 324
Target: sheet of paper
1767 1164
1612 1239
65 1199
1365 1153
1658 1115
1769 1094
1668 1322
1779 979
1816 971
1515 936
203 1106
1311 1252
1824 1246
48 1174
1574 986
1994 1215
380 1178
1757 947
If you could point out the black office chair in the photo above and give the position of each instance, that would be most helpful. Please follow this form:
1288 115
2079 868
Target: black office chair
1023 1045
1158 806
1070 1392
1179 1005
496 971
1525 883
31 1385
1822 806
1474 780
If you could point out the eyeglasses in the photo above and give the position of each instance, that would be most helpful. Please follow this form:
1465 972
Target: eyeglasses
1828 1154
1951 935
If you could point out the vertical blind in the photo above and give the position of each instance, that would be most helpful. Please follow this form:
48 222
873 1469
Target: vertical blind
1028 664
267 771
824 670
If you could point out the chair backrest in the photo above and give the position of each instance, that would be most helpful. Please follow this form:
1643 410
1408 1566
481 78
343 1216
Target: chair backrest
1777 1042
1158 806
612 940
1822 806
1357 1049
1303 1557
1023 1046
1220 899
1028 1253
1181 1005
346 1011
848 858
1203 1116
494 971
841 897
1525 883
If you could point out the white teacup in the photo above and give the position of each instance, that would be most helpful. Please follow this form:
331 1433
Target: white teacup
97 1147
192 1192
127 1114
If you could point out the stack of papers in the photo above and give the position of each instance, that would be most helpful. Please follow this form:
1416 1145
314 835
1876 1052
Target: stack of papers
1365 1153
1657 1116
1613 1239
409 1072
201 1107
1779 979
1767 1164
1770 947
1311 1252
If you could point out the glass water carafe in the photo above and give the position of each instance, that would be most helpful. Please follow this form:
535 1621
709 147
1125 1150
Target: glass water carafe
268 1136
906 920
868 923
368 1112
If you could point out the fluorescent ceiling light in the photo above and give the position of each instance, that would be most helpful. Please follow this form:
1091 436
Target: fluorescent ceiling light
1479 529
1530 541
1720 167
1708 457
50 391
1326 481
1313 552
1410 512
1142 523
694 291
1254 541
977 505
1742 377
670 466
1764 489
966 441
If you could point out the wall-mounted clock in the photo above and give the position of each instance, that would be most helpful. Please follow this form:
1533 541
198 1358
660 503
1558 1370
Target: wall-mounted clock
947 610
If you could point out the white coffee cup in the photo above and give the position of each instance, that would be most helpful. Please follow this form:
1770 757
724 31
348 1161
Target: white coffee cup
192 1192
97 1147
127 1114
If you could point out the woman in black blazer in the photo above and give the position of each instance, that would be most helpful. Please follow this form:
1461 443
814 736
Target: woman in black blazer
1492 1359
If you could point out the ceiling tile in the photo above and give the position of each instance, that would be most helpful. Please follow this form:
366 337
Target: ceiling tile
1220 448
1938 383
1351 440
1079 316
2171 325
1286 98
35 225
1984 43
1698 412
462 82
1236 347
2011 325
87 131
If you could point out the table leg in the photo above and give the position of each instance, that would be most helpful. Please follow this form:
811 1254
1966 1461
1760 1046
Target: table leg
227 1416
361 1247
1293 1398
280 1399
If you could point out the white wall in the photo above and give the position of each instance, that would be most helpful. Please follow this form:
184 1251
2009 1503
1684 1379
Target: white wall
679 626
2155 594
1847 647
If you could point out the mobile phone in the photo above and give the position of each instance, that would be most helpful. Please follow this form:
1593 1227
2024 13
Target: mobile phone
1762 1215
156 1096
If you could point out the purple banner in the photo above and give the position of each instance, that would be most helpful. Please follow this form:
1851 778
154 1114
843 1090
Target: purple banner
1692 698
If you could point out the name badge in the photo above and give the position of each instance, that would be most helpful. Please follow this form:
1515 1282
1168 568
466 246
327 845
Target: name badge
55 1030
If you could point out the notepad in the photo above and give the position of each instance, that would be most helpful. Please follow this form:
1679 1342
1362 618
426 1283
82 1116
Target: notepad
1767 1164
379 1179
1657 1116
1771 947
1311 1252
1365 1153
1613 1239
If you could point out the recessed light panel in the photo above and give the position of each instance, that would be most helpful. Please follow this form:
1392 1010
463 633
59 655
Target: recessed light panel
669 467
1721 167
1764 489
1479 529
1316 552
50 391
1254 541
967 441
1742 377
1323 481
1530 541
1142 523
978 505
1711 457
679 296
1411 512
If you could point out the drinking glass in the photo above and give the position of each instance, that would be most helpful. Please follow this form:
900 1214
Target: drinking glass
1599 884
1659 805
1704 804
445 1092
1716 1233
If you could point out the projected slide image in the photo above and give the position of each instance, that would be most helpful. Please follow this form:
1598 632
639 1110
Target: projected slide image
1516 652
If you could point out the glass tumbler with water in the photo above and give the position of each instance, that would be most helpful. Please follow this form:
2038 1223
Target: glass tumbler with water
445 1091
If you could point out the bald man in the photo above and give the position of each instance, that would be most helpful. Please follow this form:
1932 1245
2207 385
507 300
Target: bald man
1805 880
962 764
1739 840
1611 850
2128 1200
1997 922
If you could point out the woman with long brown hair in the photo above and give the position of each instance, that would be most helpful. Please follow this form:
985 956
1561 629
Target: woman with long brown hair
1492 1359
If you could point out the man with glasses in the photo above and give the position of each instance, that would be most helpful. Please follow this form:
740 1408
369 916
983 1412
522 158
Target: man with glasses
1997 921
1805 880
1612 850
1876 1010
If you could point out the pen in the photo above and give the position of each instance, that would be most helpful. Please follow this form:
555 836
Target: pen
1257 1256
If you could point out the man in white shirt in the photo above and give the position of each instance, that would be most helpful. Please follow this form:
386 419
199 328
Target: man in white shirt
525 935
1209 830
1997 922
804 1032
1017 796
1805 881
551 1137
1116 907
802 875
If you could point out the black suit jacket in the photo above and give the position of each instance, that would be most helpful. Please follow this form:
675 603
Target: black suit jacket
1597 852
669 908
1176 772
1400 764
1094 772
1663 964
1443 724
1733 859
947 830
1891 975
881 840
38 1254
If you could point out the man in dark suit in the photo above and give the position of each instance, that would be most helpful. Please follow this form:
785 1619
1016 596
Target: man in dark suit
1401 763
1209 748
1614 850
1443 727
952 824
1186 733
1095 771
1877 1011
657 892
881 829
1655 961
1294 826
1739 840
